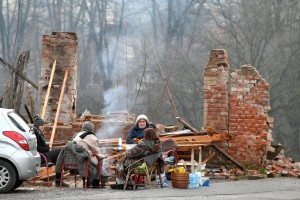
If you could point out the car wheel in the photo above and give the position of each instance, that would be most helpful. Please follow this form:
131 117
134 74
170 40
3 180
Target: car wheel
18 184
8 177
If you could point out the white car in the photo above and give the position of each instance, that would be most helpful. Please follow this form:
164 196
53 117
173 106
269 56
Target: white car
19 159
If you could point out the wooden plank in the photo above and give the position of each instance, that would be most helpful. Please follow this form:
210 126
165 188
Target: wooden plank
18 73
58 108
166 86
43 173
48 90
209 157
189 147
229 158
187 125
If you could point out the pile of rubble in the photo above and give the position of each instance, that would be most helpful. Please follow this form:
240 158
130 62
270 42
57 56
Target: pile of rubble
279 166
282 166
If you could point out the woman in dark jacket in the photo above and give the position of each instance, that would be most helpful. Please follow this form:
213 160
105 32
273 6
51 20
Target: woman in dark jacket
149 146
43 148
149 149
136 133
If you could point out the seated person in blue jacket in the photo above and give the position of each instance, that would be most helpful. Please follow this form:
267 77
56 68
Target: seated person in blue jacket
136 133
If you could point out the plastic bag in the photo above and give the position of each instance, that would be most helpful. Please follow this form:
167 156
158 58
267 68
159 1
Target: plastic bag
164 180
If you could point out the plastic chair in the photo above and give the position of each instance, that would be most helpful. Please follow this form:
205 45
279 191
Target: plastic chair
170 163
175 156
145 171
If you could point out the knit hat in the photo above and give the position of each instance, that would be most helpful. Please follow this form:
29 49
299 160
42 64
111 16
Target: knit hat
37 121
141 117
150 134
88 126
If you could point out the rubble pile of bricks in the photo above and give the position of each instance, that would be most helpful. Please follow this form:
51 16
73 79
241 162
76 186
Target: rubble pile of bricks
282 166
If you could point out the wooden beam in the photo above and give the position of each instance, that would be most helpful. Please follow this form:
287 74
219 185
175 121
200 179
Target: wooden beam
58 108
166 86
18 73
187 125
48 90
209 157
28 113
229 158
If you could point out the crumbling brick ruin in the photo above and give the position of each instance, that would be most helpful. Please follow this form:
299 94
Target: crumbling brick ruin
238 102
235 101
62 47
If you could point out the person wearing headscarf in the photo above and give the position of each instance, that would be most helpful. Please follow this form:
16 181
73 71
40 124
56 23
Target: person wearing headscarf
148 150
87 139
43 148
150 145
136 133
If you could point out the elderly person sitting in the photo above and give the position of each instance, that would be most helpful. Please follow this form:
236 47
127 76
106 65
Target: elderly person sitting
87 139
149 146
136 133
148 150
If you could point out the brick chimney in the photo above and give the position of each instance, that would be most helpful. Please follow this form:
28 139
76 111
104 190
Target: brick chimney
62 47
215 91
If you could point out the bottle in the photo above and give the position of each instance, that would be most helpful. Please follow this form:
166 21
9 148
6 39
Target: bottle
120 143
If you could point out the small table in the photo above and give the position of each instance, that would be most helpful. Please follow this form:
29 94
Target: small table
194 147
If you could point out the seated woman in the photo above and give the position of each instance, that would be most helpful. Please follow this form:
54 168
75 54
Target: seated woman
43 148
136 133
87 139
149 148
151 145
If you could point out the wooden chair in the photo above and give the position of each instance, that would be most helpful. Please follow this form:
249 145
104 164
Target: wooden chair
145 170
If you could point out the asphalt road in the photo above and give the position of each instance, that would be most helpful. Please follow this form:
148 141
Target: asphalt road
277 188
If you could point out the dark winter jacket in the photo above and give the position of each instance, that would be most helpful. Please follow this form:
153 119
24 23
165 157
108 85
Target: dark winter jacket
141 150
137 132
42 146
75 153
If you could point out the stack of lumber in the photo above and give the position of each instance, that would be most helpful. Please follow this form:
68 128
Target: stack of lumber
183 138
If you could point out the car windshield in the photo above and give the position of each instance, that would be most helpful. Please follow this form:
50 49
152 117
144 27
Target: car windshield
18 121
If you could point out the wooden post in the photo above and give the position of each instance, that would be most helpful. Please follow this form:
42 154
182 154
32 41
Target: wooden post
58 107
48 90
192 160
166 86
200 158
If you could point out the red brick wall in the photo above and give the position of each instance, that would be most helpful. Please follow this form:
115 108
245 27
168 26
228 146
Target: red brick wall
247 109
61 47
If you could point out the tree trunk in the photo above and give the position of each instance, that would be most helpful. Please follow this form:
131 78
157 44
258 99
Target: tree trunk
13 94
